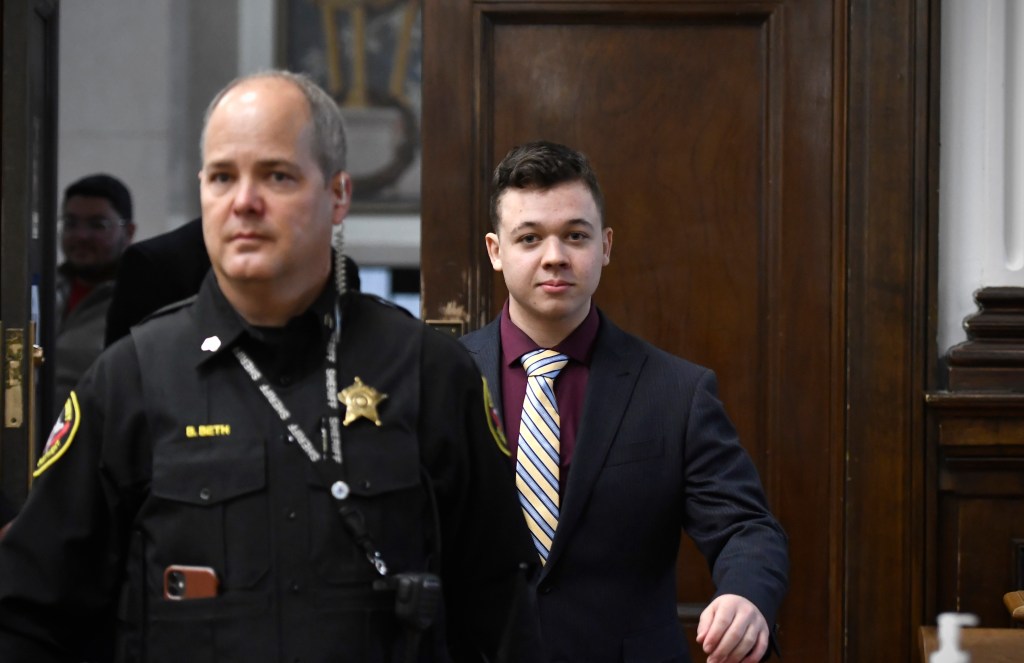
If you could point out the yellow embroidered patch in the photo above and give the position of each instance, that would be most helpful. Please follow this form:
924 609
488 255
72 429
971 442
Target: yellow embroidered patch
208 430
494 421
61 435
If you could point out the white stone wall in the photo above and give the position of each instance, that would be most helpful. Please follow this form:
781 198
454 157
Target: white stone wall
114 99
981 156
135 78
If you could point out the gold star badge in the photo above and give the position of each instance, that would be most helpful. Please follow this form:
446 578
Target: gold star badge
360 401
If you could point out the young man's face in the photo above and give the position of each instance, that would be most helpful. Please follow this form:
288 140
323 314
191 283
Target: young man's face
267 210
550 247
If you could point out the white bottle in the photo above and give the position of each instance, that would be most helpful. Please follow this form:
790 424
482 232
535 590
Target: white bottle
949 638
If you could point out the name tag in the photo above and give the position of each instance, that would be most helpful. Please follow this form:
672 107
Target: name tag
208 430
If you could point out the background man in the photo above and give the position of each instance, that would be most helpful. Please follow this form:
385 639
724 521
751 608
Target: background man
618 446
268 473
96 227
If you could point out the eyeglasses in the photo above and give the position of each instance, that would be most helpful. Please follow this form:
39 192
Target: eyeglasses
90 224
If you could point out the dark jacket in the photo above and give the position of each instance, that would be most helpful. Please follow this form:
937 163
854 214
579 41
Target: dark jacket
170 455
154 273
655 455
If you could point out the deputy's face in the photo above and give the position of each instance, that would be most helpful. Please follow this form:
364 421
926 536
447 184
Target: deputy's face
550 247
267 209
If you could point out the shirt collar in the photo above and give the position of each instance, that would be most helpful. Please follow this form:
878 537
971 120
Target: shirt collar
578 345
220 326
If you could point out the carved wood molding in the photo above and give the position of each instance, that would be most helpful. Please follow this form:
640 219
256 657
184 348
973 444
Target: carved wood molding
992 357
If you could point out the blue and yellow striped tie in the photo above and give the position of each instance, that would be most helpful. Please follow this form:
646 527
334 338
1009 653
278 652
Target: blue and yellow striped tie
538 455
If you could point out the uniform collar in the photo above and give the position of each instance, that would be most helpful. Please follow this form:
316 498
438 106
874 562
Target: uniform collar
220 326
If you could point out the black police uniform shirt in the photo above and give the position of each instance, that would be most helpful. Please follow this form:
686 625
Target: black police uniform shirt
168 454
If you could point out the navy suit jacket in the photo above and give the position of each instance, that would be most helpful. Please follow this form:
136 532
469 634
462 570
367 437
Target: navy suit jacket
655 455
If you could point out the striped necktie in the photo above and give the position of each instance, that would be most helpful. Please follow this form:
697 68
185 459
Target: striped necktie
538 455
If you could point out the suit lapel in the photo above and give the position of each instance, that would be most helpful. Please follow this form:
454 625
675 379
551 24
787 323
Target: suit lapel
485 346
615 367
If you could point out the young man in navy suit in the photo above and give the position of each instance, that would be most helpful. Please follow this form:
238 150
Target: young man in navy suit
639 446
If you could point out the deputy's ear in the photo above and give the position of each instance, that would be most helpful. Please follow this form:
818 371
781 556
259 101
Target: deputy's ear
341 187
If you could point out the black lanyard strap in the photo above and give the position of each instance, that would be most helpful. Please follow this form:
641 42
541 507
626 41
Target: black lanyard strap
333 427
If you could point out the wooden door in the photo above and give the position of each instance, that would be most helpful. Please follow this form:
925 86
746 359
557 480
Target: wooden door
718 173
765 172
27 232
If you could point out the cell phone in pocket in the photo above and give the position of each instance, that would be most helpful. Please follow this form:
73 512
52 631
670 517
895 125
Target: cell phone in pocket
190 582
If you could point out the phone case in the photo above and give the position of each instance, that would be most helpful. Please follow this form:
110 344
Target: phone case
189 582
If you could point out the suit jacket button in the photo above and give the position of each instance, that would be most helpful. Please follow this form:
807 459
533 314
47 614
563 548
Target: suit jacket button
545 588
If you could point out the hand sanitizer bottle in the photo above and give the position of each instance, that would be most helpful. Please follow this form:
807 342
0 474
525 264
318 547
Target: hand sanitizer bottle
949 638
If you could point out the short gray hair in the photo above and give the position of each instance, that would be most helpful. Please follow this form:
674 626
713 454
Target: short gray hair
329 145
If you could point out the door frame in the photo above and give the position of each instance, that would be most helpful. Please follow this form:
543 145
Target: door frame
28 157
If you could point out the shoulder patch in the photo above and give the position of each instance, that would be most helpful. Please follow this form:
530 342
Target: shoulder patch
494 421
61 435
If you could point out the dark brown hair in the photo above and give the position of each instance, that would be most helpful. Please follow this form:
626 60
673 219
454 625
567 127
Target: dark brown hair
542 165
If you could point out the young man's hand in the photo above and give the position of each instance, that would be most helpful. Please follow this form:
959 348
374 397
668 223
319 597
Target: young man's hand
732 630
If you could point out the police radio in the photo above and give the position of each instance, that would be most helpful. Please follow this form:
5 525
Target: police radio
417 598
417 594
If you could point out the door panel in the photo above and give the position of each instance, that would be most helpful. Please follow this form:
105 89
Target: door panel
683 186
712 134
27 231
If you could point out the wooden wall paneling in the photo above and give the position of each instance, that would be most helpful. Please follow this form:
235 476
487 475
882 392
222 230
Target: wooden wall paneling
453 260
840 357
886 322
977 493
806 437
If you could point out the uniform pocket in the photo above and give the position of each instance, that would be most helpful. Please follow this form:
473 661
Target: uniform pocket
210 509
231 628
383 479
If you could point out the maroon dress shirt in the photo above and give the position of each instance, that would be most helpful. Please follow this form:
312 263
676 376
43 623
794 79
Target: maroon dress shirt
570 385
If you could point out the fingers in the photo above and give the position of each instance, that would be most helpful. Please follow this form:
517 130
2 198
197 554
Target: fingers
758 652
706 617
737 645
732 630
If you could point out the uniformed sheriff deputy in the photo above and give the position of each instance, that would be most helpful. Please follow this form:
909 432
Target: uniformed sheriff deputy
277 470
